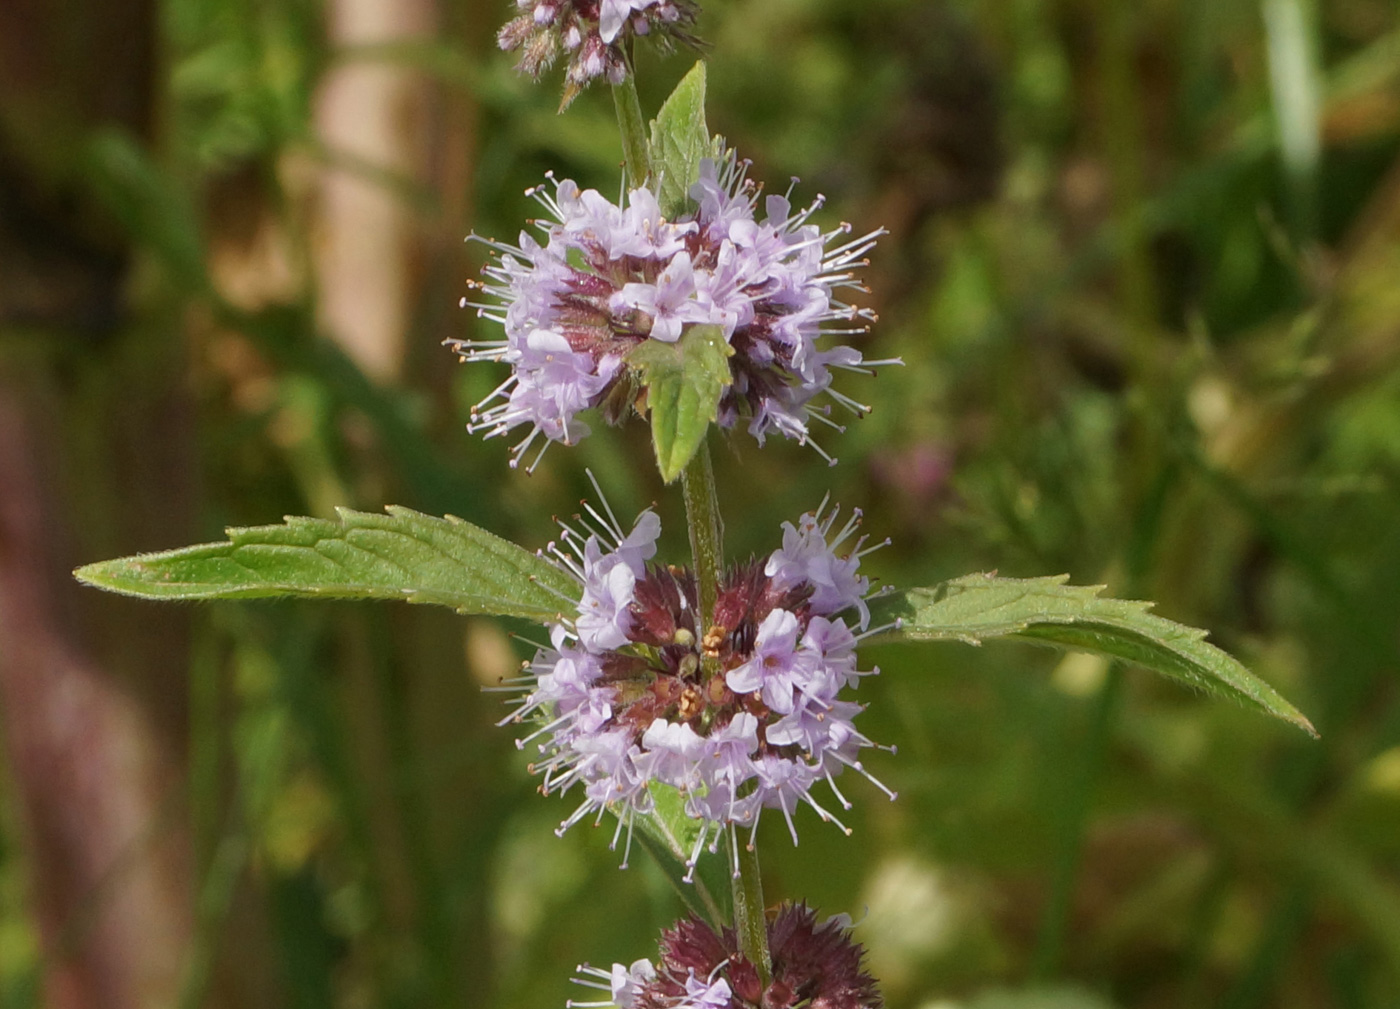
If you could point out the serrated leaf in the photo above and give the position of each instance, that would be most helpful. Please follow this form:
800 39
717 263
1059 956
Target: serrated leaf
680 140
684 382
977 608
401 555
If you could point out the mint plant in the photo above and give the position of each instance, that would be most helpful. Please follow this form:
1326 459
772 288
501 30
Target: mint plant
683 701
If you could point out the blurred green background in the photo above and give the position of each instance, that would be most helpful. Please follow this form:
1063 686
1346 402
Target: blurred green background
1142 266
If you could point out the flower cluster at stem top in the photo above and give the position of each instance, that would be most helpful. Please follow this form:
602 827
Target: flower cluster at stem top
594 33
606 279
739 713
813 964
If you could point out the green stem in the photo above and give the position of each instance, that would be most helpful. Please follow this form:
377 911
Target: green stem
706 531
706 543
749 923
633 130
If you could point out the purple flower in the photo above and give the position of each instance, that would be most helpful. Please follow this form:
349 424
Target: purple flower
814 964
626 984
775 669
603 615
594 33
669 303
809 557
605 279
739 715
705 994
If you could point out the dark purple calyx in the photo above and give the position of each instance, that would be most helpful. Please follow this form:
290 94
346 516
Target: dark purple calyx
814 964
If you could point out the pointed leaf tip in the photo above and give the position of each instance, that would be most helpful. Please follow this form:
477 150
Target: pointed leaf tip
680 140
399 555
980 607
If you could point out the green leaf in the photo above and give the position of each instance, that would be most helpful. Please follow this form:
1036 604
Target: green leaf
684 382
669 836
975 608
401 555
680 139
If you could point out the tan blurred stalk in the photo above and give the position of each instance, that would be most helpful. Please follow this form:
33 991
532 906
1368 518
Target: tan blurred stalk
370 116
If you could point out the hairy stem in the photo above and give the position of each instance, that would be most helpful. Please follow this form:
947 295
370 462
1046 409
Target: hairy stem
706 531
633 129
706 536
750 926
706 544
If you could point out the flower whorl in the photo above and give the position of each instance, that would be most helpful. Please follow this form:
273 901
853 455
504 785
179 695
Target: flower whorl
594 34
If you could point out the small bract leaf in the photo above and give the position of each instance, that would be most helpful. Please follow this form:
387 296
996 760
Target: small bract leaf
401 555
684 382
977 608
680 140
670 836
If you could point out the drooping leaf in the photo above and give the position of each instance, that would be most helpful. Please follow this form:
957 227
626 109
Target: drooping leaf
680 139
684 382
977 608
401 555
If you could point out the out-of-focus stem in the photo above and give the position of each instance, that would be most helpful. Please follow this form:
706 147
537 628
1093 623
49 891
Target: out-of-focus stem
1122 146
1073 820
633 130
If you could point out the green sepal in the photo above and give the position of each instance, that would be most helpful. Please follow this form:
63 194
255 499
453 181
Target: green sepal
980 607
401 555
684 382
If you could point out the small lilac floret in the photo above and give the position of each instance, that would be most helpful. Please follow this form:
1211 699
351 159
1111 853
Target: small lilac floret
603 615
701 994
806 556
627 982
639 546
777 667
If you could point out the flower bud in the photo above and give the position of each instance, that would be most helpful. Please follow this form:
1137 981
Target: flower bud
595 33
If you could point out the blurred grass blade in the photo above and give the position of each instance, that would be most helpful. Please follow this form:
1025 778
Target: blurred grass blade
401 555
150 204
1296 85
976 608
